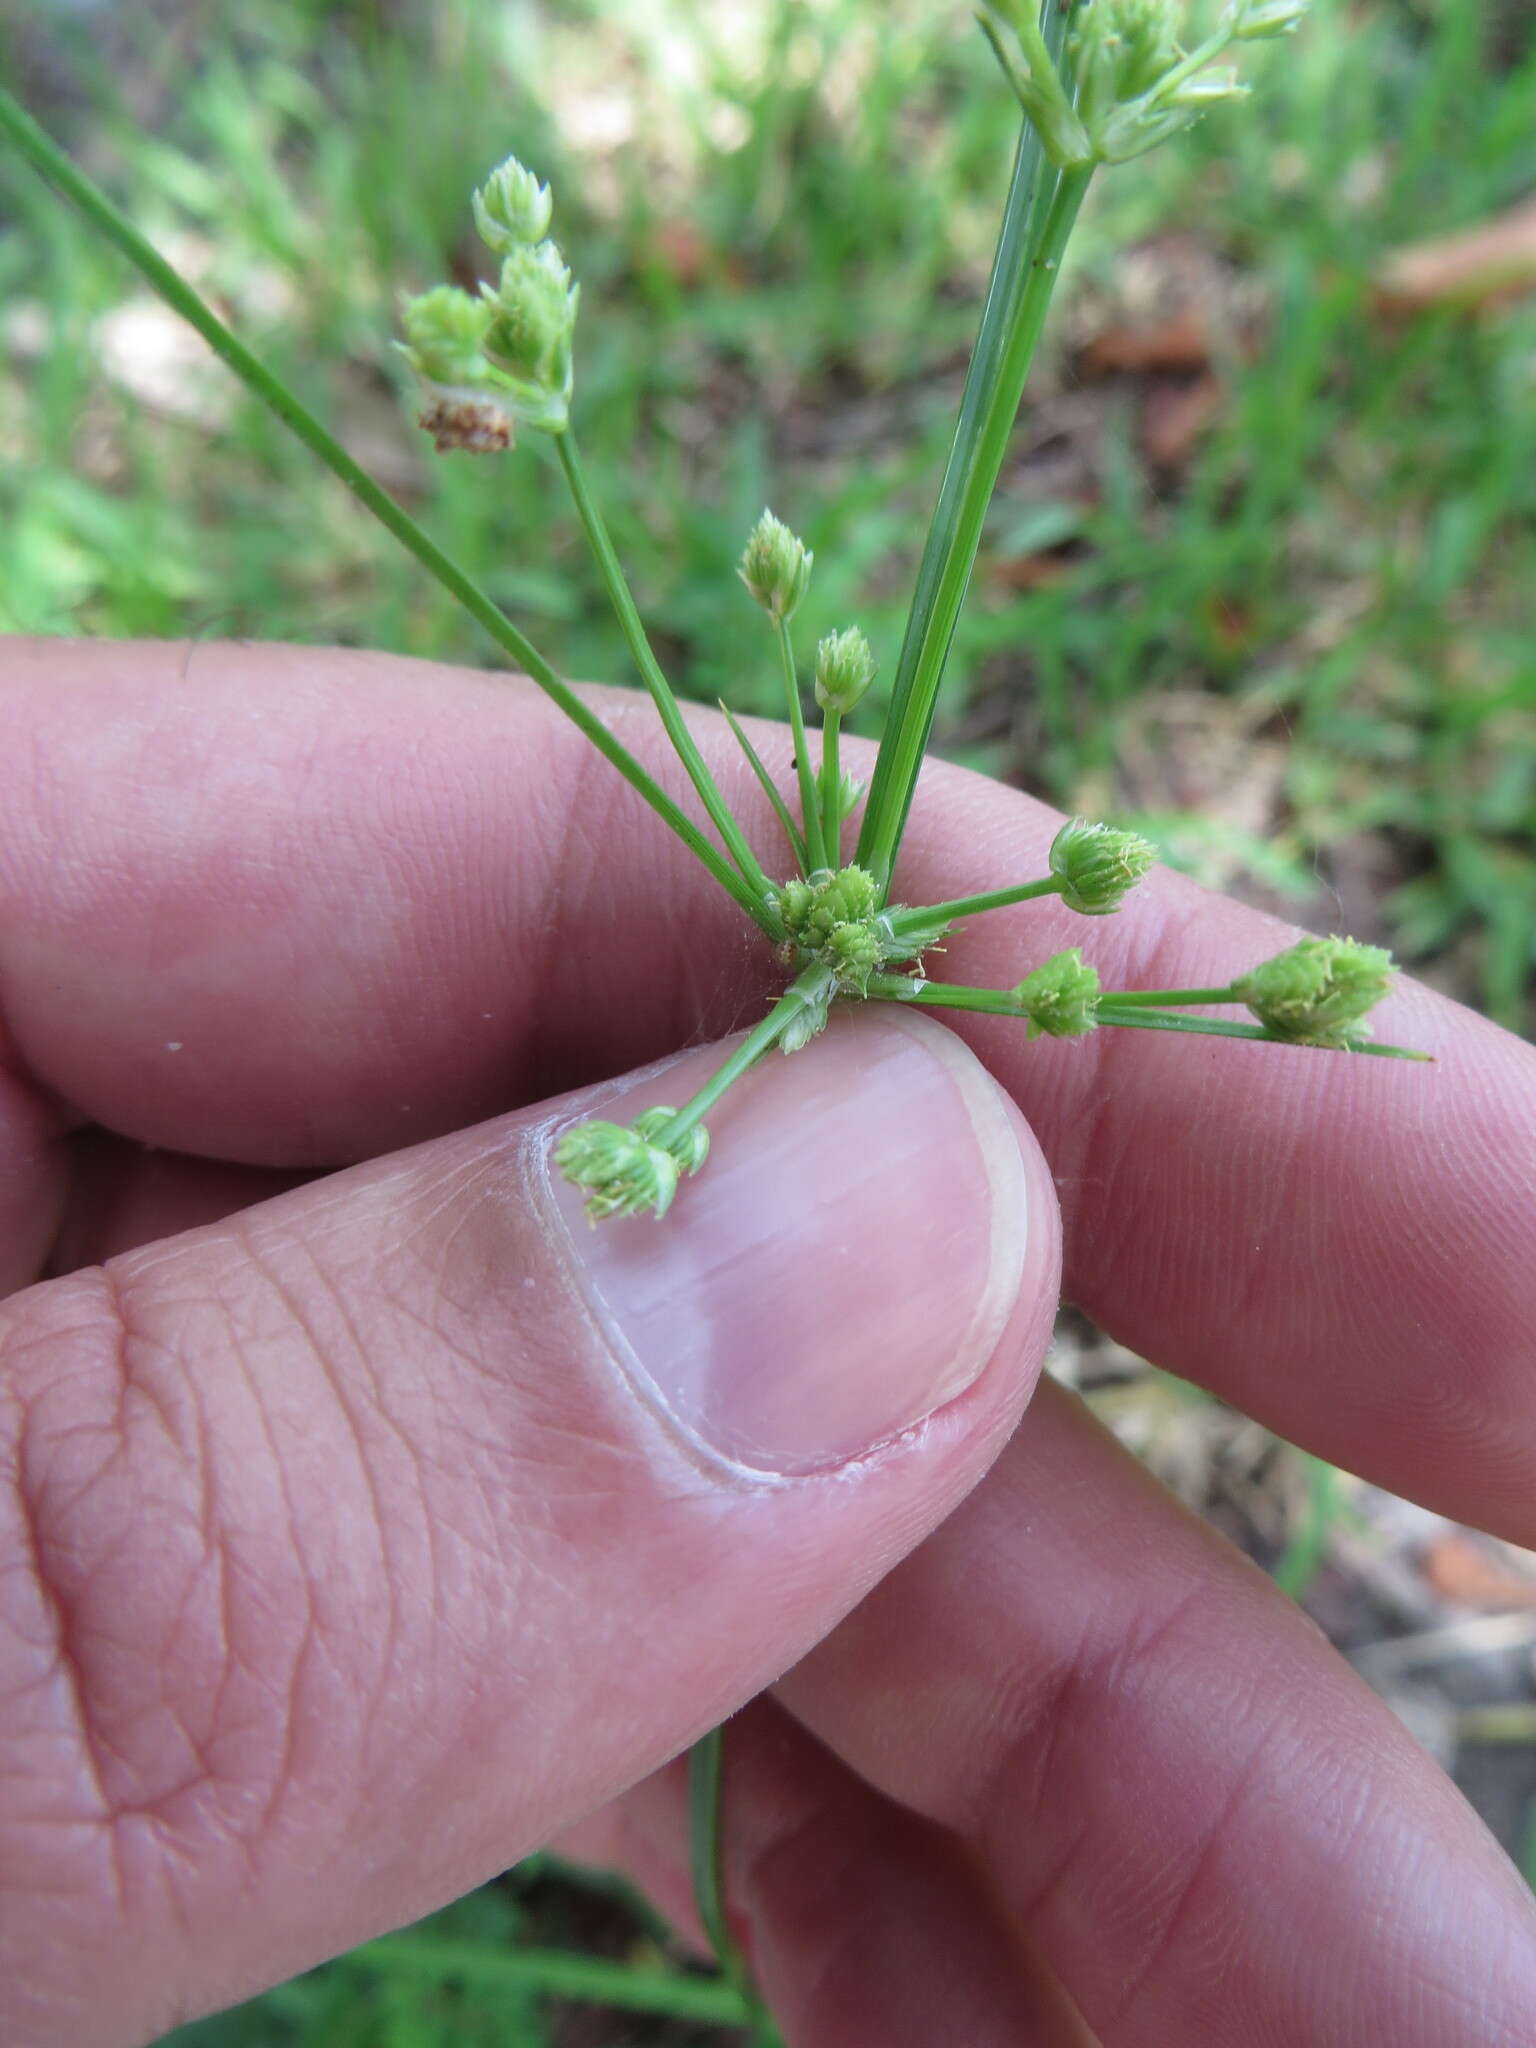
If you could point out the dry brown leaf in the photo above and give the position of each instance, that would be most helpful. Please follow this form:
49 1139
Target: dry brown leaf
1477 266
1180 341
1174 417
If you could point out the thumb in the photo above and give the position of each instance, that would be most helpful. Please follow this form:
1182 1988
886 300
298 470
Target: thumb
376 1534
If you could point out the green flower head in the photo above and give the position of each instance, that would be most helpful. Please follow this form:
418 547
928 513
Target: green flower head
1098 865
776 567
1060 998
512 208
1120 49
811 909
445 332
533 308
624 1173
845 668
690 1150
1318 991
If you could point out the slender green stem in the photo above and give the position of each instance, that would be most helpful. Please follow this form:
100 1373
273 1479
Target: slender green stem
771 790
831 788
944 995
662 696
809 809
912 717
808 991
1170 998
50 161
1219 1027
971 906
706 1844
1004 1002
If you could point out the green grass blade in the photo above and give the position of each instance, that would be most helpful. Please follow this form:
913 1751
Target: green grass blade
559 1972
661 692
705 1774
771 790
809 808
986 419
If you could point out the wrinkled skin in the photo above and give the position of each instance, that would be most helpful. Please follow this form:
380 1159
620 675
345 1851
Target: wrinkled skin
335 1574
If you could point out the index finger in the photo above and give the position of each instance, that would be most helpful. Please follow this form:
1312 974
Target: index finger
292 908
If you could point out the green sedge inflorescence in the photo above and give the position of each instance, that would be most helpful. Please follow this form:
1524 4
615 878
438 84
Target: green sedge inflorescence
1095 88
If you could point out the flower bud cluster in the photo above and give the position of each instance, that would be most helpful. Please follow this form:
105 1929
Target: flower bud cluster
776 567
508 352
836 918
1061 998
845 668
512 209
1097 865
1318 991
626 1168
1125 83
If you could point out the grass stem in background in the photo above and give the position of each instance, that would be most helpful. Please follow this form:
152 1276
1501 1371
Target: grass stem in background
660 689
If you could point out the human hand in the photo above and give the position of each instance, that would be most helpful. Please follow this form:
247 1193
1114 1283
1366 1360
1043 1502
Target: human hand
347 1552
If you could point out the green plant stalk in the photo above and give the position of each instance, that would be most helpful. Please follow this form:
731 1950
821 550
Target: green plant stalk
45 157
807 990
662 696
1004 1002
972 906
771 789
809 809
561 1973
831 787
705 1844
1142 998
1017 296
910 730
1218 1027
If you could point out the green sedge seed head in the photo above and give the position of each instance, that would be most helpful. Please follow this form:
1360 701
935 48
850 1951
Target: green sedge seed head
776 567
1098 865
623 1174
853 951
811 908
1060 998
690 1150
835 918
1318 991
512 207
445 332
1120 49
849 790
1125 62
795 901
845 668
533 319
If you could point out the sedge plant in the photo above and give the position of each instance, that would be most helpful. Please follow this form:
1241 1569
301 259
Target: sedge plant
1096 86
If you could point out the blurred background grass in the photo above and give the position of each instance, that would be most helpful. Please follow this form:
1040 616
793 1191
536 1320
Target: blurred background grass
1260 577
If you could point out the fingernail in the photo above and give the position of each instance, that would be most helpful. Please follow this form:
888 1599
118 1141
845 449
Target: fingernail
844 1264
